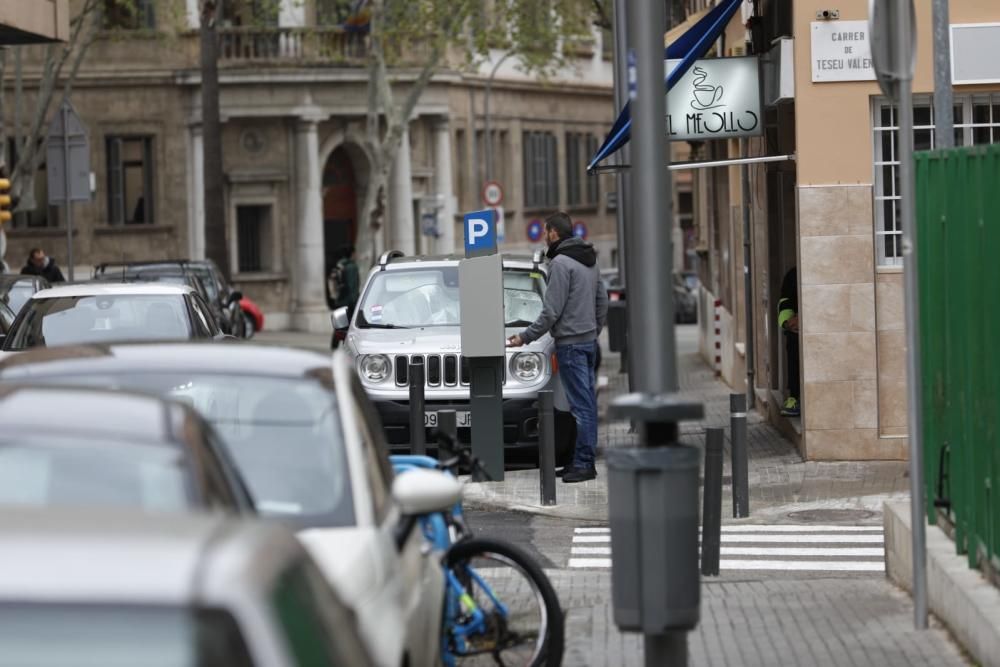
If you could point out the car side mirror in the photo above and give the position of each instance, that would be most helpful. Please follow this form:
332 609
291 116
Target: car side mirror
339 319
420 491
234 297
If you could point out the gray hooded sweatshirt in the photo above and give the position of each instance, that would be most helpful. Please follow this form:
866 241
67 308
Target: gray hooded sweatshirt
576 303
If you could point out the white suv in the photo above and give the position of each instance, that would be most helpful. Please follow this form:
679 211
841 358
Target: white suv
409 307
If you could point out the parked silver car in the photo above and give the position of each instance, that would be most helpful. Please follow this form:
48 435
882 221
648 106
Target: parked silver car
410 307
126 588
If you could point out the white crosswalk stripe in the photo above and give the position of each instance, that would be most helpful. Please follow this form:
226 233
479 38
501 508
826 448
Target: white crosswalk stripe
777 547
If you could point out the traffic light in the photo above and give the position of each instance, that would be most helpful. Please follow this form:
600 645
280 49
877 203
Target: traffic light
5 201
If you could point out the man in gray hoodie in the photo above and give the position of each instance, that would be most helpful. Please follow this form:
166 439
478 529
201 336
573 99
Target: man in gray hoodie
574 312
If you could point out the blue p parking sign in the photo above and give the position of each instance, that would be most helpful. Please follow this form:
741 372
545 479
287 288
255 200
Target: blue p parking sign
480 233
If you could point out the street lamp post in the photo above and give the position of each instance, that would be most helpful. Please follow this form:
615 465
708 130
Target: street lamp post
488 138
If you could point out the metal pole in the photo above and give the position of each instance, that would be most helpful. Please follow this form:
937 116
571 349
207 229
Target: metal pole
666 650
487 137
546 447
447 432
738 452
747 281
711 530
918 518
67 200
620 40
651 336
944 117
418 440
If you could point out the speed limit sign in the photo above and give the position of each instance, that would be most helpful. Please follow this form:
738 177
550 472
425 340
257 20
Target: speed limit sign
492 193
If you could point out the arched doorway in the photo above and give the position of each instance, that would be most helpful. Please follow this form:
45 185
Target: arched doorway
340 207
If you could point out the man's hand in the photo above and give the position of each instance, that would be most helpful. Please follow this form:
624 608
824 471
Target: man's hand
793 324
515 341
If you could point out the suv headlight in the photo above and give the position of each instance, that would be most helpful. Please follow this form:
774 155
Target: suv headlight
375 367
527 366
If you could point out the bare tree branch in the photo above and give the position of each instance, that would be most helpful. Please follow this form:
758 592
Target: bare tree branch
601 19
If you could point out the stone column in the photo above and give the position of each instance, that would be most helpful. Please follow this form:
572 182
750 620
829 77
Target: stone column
443 185
196 228
401 233
309 311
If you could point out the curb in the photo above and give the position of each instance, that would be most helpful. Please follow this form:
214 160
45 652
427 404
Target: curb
959 596
577 512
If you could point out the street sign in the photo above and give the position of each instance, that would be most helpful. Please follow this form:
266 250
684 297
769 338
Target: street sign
893 29
580 229
535 229
68 157
480 233
501 229
492 193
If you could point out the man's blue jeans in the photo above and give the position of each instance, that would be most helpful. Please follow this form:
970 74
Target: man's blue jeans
576 368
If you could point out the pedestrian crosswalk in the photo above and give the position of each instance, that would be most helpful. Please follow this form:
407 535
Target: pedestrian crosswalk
776 547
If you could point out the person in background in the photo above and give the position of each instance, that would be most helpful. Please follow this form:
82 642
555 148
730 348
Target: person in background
40 264
788 321
344 284
575 310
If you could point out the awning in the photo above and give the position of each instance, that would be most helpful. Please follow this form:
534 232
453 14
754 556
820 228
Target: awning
687 48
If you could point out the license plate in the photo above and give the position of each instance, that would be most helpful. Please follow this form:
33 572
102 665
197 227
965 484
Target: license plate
463 419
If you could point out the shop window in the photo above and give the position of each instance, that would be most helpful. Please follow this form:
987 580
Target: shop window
130 180
977 121
129 15
541 170
253 229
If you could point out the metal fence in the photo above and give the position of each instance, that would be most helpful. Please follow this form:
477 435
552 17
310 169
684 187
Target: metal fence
958 220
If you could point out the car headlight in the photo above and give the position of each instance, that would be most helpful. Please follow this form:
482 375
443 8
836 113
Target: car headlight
527 366
375 367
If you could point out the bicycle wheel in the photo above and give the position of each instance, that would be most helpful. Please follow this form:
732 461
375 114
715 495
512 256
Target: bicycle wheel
523 619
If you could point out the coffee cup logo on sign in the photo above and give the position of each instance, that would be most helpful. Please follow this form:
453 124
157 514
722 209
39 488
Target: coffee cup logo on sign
706 96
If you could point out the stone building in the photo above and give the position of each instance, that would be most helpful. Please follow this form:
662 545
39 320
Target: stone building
293 103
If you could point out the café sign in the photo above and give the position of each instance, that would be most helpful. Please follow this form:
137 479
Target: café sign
718 98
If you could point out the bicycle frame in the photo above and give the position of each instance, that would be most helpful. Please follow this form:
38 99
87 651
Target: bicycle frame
458 601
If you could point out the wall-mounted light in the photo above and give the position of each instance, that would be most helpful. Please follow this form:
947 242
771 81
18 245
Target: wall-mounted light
827 14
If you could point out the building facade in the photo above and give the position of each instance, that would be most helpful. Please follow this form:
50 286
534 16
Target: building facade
293 104
832 212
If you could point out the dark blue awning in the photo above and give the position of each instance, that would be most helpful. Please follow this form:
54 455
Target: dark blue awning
687 48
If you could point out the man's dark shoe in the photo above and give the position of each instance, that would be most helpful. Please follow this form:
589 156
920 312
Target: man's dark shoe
579 475
562 471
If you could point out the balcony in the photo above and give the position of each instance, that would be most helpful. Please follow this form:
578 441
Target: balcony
292 46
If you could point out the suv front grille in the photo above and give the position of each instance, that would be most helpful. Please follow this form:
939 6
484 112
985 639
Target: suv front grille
447 370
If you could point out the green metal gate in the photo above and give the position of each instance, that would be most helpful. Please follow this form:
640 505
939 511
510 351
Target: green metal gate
958 222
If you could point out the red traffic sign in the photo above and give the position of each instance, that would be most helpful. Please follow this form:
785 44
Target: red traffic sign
492 193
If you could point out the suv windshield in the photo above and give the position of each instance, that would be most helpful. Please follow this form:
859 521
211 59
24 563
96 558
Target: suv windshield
76 320
428 297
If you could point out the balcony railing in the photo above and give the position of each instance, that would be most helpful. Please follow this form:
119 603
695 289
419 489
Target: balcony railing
292 45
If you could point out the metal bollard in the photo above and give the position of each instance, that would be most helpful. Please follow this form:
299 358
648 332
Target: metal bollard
547 447
447 429
711 516
738 438
418 439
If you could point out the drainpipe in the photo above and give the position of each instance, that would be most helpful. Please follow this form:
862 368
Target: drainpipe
747 282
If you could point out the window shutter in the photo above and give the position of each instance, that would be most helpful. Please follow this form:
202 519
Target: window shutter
116 189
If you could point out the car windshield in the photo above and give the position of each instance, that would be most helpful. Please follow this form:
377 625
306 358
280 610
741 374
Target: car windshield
75 320
61 471
283 434
19 294
428 297
53 635
204 275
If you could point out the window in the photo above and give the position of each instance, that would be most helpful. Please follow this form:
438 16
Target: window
977 121
129 15
334 12
253 229
581 186
130 180
498 153
541 170
41 214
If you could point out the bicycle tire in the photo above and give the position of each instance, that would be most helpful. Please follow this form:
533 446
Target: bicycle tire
552 647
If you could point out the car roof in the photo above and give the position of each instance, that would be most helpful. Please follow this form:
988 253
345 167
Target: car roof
408 262
228 357
124 556
113 289
91 412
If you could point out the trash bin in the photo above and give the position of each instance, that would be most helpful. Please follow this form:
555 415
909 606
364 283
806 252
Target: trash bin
653 498
617 326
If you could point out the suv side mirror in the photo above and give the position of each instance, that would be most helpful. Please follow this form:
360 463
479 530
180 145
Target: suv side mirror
339 319
234 297
420 491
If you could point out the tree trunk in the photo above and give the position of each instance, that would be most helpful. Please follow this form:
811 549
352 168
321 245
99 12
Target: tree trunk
371 232
216 246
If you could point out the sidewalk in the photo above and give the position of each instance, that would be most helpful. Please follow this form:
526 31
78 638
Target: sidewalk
780 482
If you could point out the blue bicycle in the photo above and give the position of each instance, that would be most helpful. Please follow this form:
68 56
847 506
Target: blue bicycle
500 608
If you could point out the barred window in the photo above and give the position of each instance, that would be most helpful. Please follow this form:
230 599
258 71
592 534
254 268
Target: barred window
130 180
541 170
581 187
253 229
